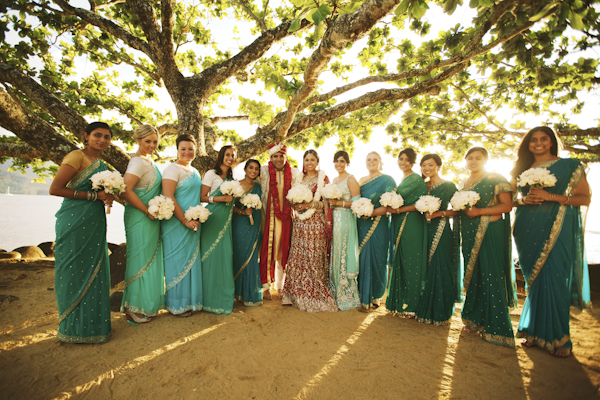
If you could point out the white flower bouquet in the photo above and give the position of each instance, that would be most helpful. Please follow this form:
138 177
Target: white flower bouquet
537 177
299 193
464 200
161 207
331 191
392 200
199 213
110 181
362 207
428 204
251 200
232 188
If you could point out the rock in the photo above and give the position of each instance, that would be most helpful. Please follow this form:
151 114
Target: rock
47 248
118 262
9 254
115 301
33 252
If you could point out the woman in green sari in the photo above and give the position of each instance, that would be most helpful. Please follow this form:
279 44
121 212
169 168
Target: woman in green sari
246 242
549 237
216 242
373 235
442 286
82 268
486 246
410 242
144 293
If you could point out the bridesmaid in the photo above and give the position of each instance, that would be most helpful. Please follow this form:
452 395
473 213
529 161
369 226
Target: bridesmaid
343 268
374 235
216 241
486 248
82 273
181 243
410 238
246 242
145 272
442 286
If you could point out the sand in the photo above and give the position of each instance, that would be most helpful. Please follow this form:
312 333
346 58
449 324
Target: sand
275 352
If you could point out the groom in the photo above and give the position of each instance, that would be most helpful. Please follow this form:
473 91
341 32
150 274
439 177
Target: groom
276 180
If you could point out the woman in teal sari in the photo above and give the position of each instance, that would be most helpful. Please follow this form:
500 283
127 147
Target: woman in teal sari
549 237
442 286
410 243
343 266
486 246
246 242
374 235
216 243
82 268
181 238
144 292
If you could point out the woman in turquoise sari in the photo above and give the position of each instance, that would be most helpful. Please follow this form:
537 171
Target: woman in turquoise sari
246 242
486 246
374 235
216 243
343 266
442 286
144 292
82 268
410 242
549 237
181 238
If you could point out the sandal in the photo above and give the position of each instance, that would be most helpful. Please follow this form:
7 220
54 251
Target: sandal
184 314
138 320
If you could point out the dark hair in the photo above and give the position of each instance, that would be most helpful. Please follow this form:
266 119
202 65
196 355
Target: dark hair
410 154
313 152
341 153
250 161
525 157
480 149
432 156
95 125
186 137
220 158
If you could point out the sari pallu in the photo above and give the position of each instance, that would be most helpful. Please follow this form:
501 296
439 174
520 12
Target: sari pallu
443 264
181 247
489 274
82 274
549 239
409 268
246 247
373 243
145 272
217 258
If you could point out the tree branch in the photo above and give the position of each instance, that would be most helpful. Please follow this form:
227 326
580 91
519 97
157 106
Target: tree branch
261 23
105 5
22 151
232 118
594 132
479 110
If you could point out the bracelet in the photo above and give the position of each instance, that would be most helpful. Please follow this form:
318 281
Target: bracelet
566 201
343 204
75 193
211 199
89 195
521 201
552 197
94 196
444 214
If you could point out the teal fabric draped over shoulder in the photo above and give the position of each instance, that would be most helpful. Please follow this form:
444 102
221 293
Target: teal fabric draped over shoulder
217 258
145 272
373 243
443 264
181 246
549 239
82 268
246 248
489 274
409 268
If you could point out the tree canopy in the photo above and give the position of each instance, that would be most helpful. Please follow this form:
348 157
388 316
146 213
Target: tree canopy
299 72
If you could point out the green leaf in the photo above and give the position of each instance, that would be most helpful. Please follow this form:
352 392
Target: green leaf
401 9
576 21
543 12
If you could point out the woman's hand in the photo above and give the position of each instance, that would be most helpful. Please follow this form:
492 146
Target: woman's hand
193 225
474 212
538 195
334 202
247 211
225 199
301 206
150 216
106 197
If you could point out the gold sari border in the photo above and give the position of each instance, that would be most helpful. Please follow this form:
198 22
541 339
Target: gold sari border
481 229
436 239
495 339
219 237
369 234
138 310
144 269
400 233
78 339
85 174
544 344
370 180
248 260
185 271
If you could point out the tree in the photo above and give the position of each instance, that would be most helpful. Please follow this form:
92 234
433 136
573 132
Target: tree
514 52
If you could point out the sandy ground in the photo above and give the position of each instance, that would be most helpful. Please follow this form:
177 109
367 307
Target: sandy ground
275 352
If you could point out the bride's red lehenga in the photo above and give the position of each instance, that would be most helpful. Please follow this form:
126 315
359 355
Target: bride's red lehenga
306 271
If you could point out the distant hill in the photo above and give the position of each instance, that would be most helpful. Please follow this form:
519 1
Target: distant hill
18 183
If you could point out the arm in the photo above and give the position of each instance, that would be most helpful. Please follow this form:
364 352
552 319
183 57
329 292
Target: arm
168 188
402 209
504 206
581 195
442 213
204 197
131 180
59 186
354 192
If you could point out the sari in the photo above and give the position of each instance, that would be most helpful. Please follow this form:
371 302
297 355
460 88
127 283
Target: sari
217 258
181 247
409 268
373 239
145 271
246 247
442 284
549 239
343 267
82 274
489 274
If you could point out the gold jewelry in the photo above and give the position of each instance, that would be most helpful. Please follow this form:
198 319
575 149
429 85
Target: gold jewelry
521 201
566 201
343 204
444 214
75 193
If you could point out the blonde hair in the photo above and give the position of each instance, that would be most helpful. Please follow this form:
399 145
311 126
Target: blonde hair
145 130
379 157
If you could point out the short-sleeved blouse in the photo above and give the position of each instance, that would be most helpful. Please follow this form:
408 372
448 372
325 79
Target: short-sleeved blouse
176 172
78 160
143 169
212 180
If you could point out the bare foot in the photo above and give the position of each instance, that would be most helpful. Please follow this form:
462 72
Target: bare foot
279 294
267 295
527 343
469 330
562 352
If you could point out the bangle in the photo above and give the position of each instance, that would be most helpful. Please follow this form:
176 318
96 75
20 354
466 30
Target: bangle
566 201
75 193
211 199
343 204
521 201
89 195
94 196
444 214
